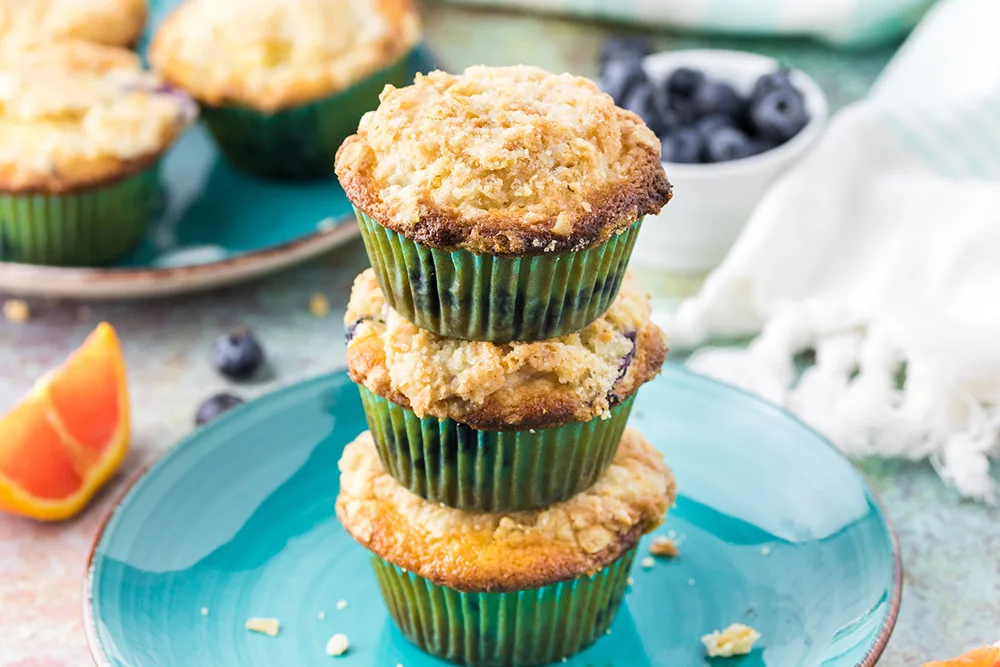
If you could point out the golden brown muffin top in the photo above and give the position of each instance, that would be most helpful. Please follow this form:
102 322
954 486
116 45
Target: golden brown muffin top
473 551
503 160
109 22
74 114
517 385
275 54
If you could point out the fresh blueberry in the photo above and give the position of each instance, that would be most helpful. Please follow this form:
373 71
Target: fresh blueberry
623 47
717 98
352 328
684 81
779 114
779 80
710 124
683 146
237 355
763 144
727 143
215 406
642 100
620 77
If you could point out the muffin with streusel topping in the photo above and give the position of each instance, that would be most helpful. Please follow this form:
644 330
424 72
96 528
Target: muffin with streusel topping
558 573
283 82
498 427
108 22
82 128
502 203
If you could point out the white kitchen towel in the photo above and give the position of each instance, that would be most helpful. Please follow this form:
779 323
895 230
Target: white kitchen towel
880 251
845 22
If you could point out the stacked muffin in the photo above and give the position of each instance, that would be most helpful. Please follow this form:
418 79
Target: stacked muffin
498 346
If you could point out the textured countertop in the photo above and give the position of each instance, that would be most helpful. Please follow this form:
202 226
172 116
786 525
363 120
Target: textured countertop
951 599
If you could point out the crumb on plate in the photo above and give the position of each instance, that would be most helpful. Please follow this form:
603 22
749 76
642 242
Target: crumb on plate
737 639
663 546
265 626
341 604
647 562
204 611
337 645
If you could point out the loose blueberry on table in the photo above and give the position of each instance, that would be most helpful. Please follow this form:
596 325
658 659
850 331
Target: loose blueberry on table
700 120
238 355
215 406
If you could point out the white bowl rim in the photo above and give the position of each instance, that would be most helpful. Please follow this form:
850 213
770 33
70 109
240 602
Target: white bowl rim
815 99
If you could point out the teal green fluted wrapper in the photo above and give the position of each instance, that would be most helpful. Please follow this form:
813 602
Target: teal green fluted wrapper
449 462
301 142
459 294
517 629
85 227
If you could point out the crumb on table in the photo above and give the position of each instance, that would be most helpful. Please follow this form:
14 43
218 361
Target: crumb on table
737 639
663 546
337 645
265 626
319 306
17 311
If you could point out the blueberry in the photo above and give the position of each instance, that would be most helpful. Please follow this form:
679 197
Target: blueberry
727 143
623 47
684 81
620 77
710 124
716 97
642 100
352 328
215 406
682 146
237 355
779 114
779 80
763 144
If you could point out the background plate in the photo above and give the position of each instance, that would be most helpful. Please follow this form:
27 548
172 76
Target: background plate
776 529
216 226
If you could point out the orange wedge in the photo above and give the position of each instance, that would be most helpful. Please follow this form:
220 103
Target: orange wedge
61 443
987 656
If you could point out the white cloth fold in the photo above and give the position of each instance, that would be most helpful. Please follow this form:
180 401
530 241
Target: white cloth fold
881 252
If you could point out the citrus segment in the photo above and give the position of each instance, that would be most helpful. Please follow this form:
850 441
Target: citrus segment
32 456
987 656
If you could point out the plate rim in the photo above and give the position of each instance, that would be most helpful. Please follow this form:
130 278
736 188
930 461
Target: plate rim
100 658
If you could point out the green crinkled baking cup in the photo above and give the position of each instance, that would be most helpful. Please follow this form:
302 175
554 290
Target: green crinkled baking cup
301 142
517 629
449 462
85 227
460 294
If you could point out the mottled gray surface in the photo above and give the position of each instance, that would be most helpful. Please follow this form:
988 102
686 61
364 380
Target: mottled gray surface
952 596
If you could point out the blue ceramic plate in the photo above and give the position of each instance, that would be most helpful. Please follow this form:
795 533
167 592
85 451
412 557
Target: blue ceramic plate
216 225
776 529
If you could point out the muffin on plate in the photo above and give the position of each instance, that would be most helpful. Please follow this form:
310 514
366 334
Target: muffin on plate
482 589
502 203
498 427
82 128
108 22
283 82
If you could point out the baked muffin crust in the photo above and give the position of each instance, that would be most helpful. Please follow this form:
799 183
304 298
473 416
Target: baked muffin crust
471 551
274 54
489 386
503 161
109 22
74 114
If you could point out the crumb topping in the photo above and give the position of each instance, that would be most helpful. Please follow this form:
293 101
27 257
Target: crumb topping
74 111
592 528
271 54
542 383
737 639
519 159
110 22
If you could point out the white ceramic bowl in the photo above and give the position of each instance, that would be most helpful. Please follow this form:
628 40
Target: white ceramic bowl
711 203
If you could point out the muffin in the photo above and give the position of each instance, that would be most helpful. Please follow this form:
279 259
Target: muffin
502 203
489 427
283 82
82 128
108 22
525 588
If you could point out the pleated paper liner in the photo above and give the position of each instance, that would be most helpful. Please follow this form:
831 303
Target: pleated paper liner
517 629
85 227
298 143
459 294
448 462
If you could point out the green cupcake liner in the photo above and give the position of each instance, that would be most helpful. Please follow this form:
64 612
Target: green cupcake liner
299 143
518 629
80 228
446 461
461 294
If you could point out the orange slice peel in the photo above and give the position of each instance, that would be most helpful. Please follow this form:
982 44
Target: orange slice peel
986 656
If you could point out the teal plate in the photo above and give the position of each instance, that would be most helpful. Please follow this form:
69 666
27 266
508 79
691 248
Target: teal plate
776 530
216 226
